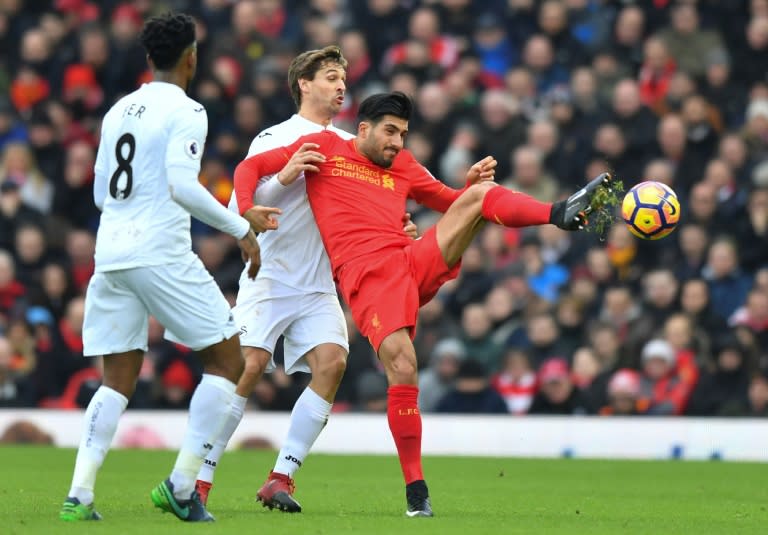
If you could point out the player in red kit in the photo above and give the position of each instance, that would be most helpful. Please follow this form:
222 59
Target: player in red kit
357 190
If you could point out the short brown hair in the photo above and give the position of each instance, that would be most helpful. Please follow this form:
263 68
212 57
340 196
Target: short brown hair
305 66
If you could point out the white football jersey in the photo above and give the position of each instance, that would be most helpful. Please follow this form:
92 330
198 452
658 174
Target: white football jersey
155 127
294 253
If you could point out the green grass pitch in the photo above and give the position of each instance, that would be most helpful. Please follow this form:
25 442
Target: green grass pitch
364 494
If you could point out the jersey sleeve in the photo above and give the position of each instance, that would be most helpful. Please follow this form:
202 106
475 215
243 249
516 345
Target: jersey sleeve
250 170
100 175
187 131
426 189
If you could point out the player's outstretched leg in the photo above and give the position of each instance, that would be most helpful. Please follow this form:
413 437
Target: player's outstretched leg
277 493
572 213
73 510
191 510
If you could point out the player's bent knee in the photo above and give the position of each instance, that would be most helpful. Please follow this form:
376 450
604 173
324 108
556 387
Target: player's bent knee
474 195
256 361
224 358
333 367
402 370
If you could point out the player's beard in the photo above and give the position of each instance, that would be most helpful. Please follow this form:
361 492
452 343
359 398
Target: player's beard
377 156
381 160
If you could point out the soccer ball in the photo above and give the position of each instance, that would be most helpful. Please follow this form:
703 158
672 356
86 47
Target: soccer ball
651 210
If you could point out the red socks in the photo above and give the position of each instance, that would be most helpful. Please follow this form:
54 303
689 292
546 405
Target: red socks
405 425
514 209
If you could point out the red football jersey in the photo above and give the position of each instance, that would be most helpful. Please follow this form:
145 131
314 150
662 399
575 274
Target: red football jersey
357 204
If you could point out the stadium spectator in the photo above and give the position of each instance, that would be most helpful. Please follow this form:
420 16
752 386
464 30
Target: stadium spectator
515 381
728 285
694 302
477 336
723 390
624 395
539 58
725 94
628 33
666 391
501 128
495 50
472 392
754 315
529 174
687 42
553 23
438 378
584 369
12 292
557 393
751 60
655 73
758 397
17 165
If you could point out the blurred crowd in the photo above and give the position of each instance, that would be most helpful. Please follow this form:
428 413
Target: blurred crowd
540 321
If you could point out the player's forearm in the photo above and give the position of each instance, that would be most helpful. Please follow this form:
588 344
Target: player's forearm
247 175
269 191
188 193
441 199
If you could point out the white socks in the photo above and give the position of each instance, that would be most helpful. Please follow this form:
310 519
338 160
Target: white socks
309 416
233 420
101 419
209 409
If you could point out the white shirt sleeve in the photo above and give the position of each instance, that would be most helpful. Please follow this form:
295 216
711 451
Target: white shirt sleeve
100 176
269 191
188 129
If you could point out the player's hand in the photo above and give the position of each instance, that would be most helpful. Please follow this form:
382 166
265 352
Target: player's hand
260 217
251 251
482 171
303 160
409 227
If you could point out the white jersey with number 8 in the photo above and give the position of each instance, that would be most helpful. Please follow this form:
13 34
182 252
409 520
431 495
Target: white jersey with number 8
153 129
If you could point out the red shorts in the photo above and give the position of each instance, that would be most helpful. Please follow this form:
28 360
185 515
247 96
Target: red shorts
386 290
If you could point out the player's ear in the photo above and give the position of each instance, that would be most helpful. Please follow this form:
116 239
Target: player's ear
303 85
363 128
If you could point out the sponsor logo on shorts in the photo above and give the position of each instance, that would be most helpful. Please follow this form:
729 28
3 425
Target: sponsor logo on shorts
408 412
243 330
208 446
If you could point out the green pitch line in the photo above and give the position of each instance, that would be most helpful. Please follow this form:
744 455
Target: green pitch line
362 495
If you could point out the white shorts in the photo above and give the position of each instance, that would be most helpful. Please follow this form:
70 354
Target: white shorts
183 297
266 309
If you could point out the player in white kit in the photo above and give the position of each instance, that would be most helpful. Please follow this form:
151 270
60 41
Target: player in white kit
294 294
146 185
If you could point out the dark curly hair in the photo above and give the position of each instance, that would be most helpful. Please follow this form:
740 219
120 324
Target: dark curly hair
166 36
376 106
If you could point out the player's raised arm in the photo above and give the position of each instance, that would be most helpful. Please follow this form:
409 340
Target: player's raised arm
288 162
259 215
429 191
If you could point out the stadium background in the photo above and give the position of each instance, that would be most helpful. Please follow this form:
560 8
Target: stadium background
539 321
